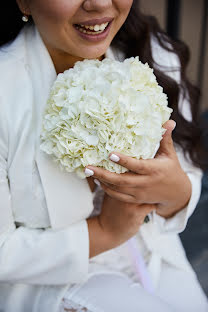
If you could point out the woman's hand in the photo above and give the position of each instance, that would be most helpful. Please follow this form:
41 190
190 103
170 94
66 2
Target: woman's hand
117 223
160 181
120 220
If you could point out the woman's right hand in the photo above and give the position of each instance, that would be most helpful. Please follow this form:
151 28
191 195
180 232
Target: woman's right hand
117 223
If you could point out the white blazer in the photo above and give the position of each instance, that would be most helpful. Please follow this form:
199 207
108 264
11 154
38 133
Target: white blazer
44 251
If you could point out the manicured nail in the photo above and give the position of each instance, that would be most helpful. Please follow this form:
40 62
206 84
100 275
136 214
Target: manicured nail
114 157
88 172
97 182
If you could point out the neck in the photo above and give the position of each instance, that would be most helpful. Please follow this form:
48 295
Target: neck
63 61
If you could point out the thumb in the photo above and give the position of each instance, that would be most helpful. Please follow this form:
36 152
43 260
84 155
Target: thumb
166 144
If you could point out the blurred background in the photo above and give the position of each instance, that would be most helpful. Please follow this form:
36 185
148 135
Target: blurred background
187 20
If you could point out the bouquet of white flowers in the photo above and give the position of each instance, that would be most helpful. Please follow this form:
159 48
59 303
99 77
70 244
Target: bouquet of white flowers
99 107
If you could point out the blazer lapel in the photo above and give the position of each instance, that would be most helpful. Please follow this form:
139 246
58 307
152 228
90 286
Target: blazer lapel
69 199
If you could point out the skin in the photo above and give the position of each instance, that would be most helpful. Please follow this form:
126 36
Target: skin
55 18
160 181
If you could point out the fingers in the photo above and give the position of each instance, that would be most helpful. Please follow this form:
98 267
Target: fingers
140 169
166 144
129 179
117 195
121 189
140 166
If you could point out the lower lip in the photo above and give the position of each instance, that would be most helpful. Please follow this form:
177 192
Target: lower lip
95 38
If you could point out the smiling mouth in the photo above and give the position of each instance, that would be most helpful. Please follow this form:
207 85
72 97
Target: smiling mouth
92 30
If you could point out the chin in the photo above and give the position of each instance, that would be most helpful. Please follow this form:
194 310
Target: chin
92 56
97 53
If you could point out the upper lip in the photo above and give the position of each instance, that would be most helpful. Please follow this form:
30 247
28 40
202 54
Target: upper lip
96 21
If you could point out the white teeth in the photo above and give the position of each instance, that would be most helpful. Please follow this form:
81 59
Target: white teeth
89 32
95 27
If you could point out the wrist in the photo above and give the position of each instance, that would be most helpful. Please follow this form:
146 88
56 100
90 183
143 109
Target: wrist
170 209
99 240
109 240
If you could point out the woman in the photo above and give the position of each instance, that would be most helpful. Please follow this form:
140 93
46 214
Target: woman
56 252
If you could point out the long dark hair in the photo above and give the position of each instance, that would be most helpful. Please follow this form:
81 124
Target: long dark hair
134 39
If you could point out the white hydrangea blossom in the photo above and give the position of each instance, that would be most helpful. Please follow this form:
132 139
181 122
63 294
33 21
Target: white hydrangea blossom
98 107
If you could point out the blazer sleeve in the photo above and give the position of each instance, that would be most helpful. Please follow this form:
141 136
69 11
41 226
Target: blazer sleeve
178 222
37 256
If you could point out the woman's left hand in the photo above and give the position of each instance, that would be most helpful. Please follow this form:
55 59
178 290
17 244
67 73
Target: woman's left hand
159 181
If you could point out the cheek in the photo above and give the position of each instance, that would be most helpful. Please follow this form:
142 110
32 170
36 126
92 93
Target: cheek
124 5
54 10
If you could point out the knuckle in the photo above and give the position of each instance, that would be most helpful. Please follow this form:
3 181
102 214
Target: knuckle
140 167
143 164
159 174
136 195
120 180
155 170
102 175
125 162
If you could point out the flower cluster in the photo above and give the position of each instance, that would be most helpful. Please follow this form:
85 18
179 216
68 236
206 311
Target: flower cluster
98 107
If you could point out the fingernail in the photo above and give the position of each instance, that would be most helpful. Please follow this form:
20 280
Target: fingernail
97 182
114 157
88 172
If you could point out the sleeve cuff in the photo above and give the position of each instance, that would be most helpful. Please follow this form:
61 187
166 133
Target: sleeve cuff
79 269
46 257
178 222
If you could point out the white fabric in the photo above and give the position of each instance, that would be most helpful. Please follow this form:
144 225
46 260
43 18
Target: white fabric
44 241
116 259
69 305
111 292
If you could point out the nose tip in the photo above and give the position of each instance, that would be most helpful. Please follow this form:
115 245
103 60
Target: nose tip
97 5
